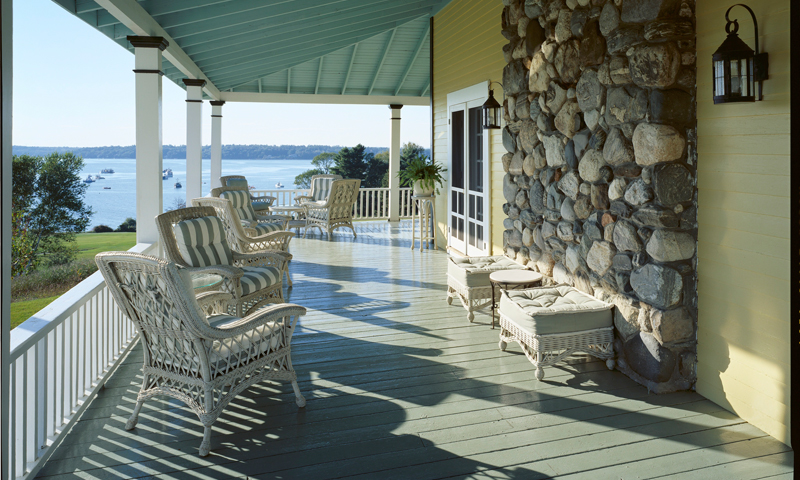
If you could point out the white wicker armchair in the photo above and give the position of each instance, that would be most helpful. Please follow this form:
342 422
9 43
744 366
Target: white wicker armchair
245 239
336 211
259 202
194 238
320 188
203 361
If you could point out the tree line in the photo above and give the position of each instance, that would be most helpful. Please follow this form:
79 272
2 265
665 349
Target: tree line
231 152
358 162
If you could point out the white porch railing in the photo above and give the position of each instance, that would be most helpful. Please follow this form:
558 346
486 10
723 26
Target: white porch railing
372 203
60 358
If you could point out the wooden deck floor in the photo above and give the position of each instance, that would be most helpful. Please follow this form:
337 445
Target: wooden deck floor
400 385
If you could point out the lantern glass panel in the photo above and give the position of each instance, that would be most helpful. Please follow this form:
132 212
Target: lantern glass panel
736 77
719 77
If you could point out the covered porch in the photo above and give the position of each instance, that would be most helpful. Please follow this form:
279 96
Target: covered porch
400 385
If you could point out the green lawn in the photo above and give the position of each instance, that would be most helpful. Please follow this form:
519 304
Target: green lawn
21 311
90 244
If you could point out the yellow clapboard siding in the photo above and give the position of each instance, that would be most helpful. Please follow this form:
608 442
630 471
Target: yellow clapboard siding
774 185
729 237
744 222
737 163
747 260
735 398
734 309
765 375
754 144
743 202
750 283
743 235
468 50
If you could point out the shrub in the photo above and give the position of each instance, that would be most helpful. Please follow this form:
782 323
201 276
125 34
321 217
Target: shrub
102 229
129 225
50 281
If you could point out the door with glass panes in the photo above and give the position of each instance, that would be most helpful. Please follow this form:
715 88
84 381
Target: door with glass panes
468 199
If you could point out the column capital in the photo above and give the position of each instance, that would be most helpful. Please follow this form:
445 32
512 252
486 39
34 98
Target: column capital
194 82
395 106
217 103
148 42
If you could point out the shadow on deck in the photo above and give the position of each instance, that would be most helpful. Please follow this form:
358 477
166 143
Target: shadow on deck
401 385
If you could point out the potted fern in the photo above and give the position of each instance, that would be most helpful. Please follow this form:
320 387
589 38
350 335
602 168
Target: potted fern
423 174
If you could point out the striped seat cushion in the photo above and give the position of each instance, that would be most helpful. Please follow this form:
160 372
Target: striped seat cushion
259 278
201 242
322 188
238 183
263 228
240 200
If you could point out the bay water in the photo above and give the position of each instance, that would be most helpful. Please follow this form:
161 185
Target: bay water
113 205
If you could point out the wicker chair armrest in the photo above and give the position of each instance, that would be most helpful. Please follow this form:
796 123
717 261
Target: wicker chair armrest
260 259
275 237
263 198
230 272
272 217
281 313
301 198
214 303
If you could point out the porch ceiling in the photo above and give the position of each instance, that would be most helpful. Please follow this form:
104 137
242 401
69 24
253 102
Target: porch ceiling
365 48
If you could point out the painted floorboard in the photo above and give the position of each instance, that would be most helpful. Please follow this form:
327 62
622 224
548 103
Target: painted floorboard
400 385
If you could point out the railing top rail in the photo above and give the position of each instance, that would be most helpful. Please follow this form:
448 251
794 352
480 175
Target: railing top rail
35 328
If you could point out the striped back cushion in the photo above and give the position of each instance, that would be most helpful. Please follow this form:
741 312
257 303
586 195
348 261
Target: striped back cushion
240 199
201 242
239 183
322 188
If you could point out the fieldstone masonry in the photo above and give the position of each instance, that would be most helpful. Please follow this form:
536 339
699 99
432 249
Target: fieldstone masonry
600 188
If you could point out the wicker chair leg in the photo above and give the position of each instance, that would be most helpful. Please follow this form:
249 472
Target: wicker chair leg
450 295
610 363
539 369
288 277
205 445
298 397
131 423
503 345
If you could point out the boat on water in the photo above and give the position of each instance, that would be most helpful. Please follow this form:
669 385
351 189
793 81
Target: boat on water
106 188
178 184
166 173
88 179
99 177
107 170
279 185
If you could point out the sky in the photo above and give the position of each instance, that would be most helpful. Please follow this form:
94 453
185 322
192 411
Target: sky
74 87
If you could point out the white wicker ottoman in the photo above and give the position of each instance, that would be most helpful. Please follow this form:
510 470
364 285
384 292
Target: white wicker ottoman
551 323
468 279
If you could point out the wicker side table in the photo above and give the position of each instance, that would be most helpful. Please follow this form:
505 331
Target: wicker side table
425 221
512 280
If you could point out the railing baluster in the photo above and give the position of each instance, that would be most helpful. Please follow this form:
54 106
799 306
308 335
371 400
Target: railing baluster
24 443
40 370
13 423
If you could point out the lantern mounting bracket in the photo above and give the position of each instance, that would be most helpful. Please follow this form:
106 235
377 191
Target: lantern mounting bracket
760 60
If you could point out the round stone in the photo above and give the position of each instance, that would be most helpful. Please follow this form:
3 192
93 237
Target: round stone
653 143
589 167
673 184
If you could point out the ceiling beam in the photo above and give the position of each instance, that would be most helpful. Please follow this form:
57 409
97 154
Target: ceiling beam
157 8
350 68
425 90
133 16
252 97
383 59
289 80
319 74
413 59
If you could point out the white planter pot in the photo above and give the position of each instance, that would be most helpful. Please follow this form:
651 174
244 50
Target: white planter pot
420 191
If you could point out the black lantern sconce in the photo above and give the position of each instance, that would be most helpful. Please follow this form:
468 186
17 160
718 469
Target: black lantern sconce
491 110
736 67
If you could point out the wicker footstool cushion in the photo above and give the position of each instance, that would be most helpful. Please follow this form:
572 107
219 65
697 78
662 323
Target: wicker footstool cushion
551 323
468 279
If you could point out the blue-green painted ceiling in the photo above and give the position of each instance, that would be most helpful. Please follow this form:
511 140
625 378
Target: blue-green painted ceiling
352 47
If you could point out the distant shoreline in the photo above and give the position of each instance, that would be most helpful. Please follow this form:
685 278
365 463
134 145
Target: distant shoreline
178 152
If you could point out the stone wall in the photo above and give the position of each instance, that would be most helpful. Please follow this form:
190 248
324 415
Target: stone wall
601 166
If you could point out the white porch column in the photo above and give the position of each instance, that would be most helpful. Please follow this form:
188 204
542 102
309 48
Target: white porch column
216 142
194 139
394 165
149 154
